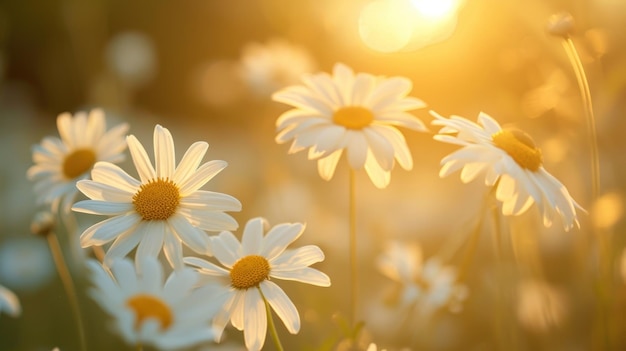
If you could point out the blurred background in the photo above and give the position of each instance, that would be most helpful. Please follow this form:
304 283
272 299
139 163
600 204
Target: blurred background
206 69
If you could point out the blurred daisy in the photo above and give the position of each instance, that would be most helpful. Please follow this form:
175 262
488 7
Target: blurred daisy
357 113
60 163
540 306
273 65
249 266
163 209
426 285
147 311
509 160
373 347
9 302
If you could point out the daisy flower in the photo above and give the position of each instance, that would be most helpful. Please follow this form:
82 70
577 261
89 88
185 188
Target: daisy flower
147 311
427 285
247 269
357 113
60 163
164 208
508 159
9 302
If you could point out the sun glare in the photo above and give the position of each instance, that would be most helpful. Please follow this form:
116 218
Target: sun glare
436 8
405 25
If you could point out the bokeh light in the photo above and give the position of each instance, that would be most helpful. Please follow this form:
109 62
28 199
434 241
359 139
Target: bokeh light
407 25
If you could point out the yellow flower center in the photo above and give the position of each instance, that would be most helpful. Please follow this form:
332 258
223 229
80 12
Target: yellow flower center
146 306
520 146
157 200
78 162
249 272
353 117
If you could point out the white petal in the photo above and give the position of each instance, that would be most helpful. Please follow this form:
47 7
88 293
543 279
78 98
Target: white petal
203 174
104 192
280 302
226 248
279 237
151 273
255 322
252 240
306 275
356 148
173 251
140 159
379 177
122 245
381 148
193 237
124 272
111 174
105 231
212 201
102 207
209 220
326 166
190 161
164 154
297 258
152 234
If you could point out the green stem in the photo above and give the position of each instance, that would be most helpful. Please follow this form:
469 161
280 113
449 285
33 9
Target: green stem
353 253
270 323
68 284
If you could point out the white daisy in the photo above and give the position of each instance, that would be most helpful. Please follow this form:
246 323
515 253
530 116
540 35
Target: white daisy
162 209
273 65
249 265
427 285
148 311
510 159
9 302
60 163
357 113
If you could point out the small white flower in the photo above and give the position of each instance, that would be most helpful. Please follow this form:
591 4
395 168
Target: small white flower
9 302
148 311
355 112
273 65
60 163
428 285
245 279
163 209
510 159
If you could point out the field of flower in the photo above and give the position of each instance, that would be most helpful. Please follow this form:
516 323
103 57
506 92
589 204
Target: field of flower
313 175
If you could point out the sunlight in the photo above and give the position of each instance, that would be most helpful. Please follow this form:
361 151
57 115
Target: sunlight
406 25
436 8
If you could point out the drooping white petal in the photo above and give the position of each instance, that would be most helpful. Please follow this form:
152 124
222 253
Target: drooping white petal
280 302
255 321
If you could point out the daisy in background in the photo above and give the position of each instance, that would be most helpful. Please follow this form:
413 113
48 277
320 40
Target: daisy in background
509 160
267 67
148 311
352 112
164 208
60 163
427 285
9 302
245 276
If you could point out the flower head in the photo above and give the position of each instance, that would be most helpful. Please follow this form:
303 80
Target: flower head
164 208
148 311
273 65
508 159
9 302
357 113
60 163
246 272
428 285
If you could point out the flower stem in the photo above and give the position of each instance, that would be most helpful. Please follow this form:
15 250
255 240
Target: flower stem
585 93
68 284
270 323
353 253
603 238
